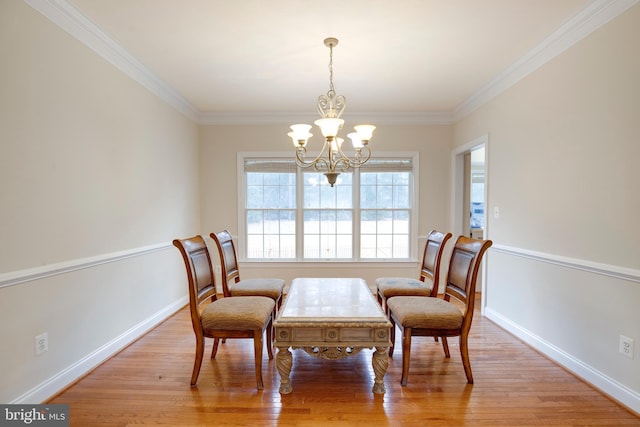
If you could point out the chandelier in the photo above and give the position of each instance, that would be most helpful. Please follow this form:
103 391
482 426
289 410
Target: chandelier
330 107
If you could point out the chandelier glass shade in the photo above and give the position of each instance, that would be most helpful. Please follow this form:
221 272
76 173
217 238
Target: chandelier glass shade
332 159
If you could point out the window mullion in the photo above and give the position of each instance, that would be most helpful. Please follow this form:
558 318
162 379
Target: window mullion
299 215
355 217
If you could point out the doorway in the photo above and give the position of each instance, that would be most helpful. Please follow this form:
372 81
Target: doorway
474 192
470 196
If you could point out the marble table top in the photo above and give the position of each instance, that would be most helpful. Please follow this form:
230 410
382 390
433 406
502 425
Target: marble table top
330 300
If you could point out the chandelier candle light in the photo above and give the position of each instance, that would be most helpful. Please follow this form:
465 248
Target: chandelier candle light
330 107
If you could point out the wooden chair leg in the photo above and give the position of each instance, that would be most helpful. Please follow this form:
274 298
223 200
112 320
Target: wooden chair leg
257 352
445 346
214 350
274 315
464 352
198 360
406 355
270 338
392 336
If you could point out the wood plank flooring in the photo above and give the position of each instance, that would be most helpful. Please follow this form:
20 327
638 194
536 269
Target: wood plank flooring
148 383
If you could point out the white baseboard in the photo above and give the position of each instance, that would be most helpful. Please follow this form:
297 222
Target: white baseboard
619 392
67 376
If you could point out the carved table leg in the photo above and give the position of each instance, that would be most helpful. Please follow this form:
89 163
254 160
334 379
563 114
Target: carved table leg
380 362
284 362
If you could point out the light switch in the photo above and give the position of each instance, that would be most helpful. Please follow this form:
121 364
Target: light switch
496 212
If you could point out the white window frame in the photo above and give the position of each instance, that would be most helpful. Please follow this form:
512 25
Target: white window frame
391 155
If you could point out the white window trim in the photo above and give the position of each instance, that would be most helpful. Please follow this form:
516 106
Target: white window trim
241 191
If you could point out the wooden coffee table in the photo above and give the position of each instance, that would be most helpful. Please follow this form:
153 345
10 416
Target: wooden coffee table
331 318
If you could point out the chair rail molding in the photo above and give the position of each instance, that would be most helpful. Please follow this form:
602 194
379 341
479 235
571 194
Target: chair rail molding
31 274
609 270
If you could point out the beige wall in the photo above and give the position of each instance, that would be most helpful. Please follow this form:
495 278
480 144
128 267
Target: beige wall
563 168
97 176
218 165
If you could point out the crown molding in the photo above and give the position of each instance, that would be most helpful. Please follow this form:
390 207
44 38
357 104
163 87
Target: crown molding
69 18
387 118
593 16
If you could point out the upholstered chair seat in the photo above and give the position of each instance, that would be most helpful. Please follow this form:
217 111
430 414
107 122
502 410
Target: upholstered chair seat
237 314
271 288
431 313
402 286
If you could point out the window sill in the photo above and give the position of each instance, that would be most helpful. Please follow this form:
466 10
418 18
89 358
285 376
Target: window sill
323 263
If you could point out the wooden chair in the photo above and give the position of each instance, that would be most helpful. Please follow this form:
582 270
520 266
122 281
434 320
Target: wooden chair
439 317
222 318
231 283
427 283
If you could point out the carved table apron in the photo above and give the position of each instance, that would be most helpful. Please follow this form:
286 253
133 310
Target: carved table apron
331 318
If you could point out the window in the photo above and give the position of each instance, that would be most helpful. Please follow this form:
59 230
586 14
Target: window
290 213
327 217
385 214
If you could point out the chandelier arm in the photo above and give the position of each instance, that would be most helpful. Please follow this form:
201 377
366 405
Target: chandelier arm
363 154
343 160
319 163
343 164
300 154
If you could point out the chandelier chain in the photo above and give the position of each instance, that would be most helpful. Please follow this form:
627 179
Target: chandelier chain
331 88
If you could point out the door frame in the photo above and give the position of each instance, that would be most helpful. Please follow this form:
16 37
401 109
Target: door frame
457 195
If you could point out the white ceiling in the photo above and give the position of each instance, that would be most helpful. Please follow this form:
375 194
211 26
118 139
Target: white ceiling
254 58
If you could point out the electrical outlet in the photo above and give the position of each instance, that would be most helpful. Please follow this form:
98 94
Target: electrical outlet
626 346
42 343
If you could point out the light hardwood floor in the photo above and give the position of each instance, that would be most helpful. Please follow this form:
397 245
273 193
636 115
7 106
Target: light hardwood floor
148 383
